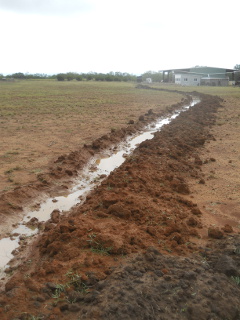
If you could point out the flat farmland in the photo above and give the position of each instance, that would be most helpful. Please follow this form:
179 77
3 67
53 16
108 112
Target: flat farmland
40 120
158 238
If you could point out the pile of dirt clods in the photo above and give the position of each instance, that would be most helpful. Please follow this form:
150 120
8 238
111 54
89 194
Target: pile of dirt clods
156 286
130 251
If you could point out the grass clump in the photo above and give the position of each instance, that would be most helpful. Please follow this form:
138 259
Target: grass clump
236 280
97 246
76 282
59 289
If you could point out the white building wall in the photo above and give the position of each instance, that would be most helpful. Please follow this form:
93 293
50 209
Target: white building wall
187 79
178 78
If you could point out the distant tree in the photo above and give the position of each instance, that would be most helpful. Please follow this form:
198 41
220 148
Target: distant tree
109 77
61 77
79 78
71 75
35 76
18 75
69 78
131 77
237 67
89 77
40 75
100 77
155 76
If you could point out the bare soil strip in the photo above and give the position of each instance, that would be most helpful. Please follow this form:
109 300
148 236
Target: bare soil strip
131 251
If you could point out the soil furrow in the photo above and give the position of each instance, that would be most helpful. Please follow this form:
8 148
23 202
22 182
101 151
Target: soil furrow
131 251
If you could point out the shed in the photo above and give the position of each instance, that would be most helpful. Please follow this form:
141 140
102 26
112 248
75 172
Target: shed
207 81
200 76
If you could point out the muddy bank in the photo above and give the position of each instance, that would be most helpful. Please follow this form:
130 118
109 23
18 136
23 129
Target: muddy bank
64 170
131 250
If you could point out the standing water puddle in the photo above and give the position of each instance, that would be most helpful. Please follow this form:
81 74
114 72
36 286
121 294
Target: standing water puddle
91 176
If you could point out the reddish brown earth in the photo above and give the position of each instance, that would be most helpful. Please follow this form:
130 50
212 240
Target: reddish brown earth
141 245
63 170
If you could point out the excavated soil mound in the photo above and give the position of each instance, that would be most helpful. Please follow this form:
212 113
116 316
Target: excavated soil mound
156 286
130 251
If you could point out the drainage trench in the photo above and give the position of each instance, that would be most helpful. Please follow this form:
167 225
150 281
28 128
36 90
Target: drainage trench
91 176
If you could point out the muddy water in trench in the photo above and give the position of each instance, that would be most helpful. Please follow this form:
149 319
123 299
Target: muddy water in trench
92 175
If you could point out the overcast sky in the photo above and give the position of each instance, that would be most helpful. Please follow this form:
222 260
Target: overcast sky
53 36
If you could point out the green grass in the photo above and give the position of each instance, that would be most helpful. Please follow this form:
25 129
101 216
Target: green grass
97 246
76 282
50 97
236 280
223 92
58 290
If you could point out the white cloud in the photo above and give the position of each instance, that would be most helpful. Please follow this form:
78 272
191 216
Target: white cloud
45 7
127 35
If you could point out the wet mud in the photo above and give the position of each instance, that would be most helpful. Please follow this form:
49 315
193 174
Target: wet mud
131 250
91 176
65 169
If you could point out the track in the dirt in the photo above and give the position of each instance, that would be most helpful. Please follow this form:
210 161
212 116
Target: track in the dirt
103 246
93 174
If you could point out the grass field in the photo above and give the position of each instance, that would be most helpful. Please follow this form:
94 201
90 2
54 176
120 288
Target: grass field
230 92
40 120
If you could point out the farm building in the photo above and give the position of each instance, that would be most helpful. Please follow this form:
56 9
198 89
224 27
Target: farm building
201 76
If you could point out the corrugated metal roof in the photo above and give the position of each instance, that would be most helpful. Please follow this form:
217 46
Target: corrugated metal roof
188 70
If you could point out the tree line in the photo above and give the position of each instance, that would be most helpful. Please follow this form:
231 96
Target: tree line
111 76
69 76
20 75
